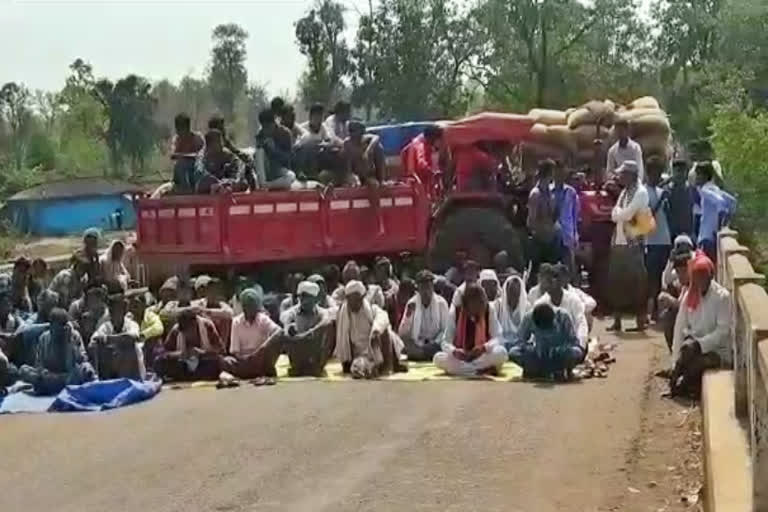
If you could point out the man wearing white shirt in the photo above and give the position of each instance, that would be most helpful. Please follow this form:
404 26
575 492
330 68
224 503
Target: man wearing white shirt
567 300
625 149
702 329
337 123
425 320
627 274
314 131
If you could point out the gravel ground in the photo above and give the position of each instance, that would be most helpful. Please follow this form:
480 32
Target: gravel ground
432 446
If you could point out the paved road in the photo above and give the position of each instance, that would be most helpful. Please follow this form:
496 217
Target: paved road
433 446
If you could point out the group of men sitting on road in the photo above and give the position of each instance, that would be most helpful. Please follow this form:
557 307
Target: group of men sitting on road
324 150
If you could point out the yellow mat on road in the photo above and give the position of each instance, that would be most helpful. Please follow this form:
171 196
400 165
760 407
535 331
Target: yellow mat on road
417 372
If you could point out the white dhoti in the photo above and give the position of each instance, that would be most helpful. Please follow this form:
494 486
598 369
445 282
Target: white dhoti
494 357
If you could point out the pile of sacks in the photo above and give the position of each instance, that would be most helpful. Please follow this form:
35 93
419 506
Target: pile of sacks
573 132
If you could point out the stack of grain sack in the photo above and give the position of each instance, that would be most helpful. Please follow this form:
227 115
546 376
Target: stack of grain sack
572 133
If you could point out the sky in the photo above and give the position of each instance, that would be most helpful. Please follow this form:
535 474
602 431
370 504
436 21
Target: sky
153 38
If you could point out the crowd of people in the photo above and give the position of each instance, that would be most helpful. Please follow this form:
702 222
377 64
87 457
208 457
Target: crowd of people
332 149
92 321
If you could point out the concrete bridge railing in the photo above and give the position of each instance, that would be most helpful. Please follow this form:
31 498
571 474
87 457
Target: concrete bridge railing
735 402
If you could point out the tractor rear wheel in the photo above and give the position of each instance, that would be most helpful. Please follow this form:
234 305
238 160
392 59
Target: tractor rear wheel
481 233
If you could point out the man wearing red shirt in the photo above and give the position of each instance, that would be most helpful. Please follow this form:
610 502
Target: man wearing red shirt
475 168
416 157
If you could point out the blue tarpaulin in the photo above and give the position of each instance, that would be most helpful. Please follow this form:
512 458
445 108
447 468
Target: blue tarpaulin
94 396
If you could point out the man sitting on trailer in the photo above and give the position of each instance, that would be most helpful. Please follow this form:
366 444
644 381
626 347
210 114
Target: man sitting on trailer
363 155
274 170
471 343
417 159
365 343
186 147
218 169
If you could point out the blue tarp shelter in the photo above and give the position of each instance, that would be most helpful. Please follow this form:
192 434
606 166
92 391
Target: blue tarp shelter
71 206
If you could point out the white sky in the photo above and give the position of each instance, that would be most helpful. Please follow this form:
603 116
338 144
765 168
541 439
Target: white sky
154 38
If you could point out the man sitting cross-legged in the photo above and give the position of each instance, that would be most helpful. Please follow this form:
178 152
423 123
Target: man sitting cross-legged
425 320
365 344
471 343
114 346
255 342
307 333
547 345
192 350
60 358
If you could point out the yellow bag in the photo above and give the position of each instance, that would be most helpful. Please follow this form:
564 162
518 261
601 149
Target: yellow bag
643 223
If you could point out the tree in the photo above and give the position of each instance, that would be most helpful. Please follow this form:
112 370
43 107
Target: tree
537 50
14 107
48 106
130 131
319 35
411 58
227 76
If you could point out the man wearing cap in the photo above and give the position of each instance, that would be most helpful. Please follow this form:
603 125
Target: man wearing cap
625 149
701 338
627 274
425 320
307 332
114 347
255 341
365 344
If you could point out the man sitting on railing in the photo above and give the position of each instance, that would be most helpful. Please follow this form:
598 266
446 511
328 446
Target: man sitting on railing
363 155
702 328
274 160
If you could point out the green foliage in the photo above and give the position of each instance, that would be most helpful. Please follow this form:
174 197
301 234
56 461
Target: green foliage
41 152
412 57
15 108
227 76
740 141
320 38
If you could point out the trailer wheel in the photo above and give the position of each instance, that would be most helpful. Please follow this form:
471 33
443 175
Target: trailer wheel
481 232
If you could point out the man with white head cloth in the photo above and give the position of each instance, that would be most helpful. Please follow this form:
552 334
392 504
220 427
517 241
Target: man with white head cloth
425 320
306 337
512 307
365 344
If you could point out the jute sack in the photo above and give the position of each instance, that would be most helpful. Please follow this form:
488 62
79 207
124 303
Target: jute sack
554 136
592 112
548 117
586 134
644 102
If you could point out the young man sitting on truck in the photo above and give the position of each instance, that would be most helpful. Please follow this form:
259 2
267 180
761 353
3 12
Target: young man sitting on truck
186 147
274 169
363 155
417 158
219 169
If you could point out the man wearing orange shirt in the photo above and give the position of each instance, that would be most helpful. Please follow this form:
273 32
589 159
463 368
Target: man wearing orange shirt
417 158
475 168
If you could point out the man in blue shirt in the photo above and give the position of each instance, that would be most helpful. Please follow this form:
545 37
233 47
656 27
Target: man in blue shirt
659 242
567 211
717 206
546 345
